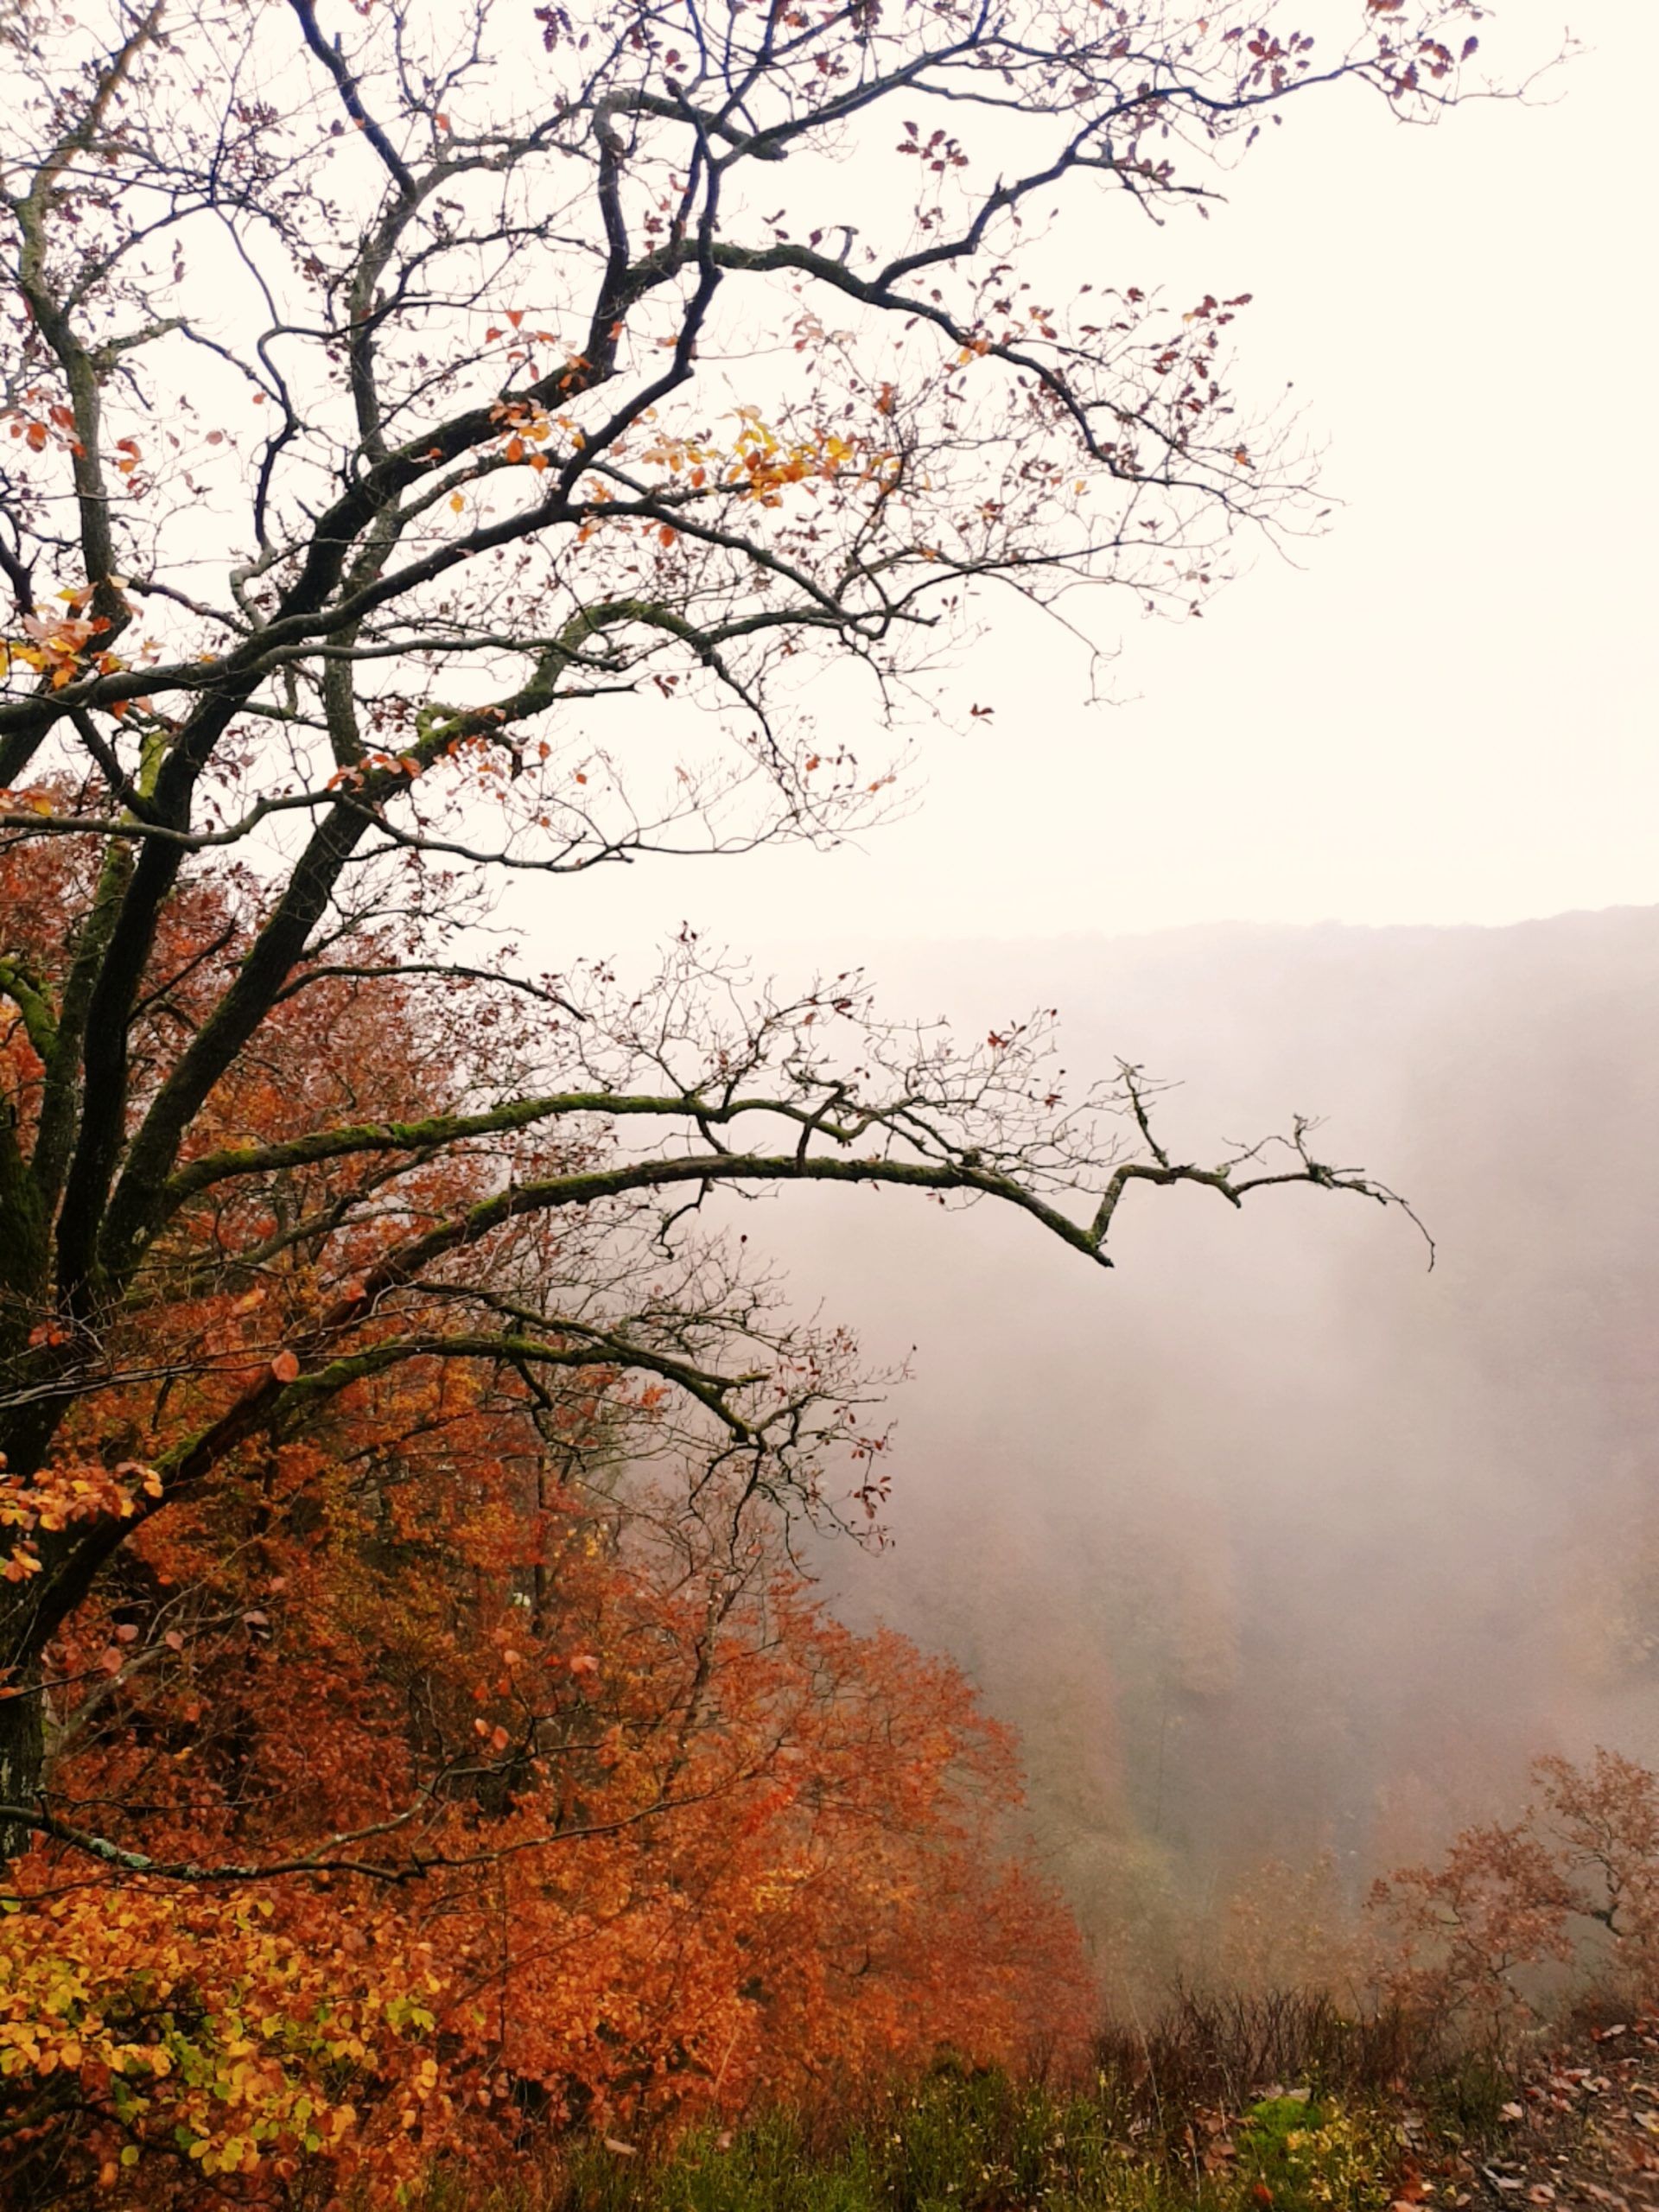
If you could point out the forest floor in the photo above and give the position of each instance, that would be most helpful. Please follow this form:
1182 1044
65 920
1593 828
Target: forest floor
1582 2130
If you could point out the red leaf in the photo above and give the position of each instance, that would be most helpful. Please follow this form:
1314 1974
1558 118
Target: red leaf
285 1367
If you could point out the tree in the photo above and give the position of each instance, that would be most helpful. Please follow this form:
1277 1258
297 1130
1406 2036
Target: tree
385 407
448 1775
682 1843
685 1843
1574 1881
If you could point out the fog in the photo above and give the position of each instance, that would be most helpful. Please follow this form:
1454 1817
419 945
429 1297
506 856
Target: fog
1439 707
1273 1542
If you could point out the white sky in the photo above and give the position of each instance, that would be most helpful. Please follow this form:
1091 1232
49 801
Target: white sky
1446 714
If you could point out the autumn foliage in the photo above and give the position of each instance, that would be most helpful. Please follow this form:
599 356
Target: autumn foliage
750 1854
1518 1915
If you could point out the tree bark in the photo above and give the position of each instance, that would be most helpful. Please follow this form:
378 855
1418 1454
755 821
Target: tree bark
23 1753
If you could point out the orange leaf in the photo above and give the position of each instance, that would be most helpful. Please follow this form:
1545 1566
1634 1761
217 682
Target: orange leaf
285 1367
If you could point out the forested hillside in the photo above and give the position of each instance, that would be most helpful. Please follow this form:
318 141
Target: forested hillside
1289 1545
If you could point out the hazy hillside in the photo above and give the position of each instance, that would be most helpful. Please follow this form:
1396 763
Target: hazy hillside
1273 1541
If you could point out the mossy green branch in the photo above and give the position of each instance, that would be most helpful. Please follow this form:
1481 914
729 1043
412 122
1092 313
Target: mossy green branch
28 996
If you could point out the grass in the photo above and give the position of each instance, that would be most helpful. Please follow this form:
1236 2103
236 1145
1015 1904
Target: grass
953 2143
1275 2105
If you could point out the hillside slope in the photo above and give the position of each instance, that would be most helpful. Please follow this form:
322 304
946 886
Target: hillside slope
1274 1542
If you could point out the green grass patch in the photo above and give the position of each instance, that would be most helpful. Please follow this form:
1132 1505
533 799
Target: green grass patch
978 2142
1198 2112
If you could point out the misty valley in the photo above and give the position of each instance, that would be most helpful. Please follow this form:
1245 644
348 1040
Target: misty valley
1287 1558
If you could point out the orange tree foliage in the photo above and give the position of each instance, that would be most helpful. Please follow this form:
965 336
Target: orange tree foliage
687 1843
1488 1933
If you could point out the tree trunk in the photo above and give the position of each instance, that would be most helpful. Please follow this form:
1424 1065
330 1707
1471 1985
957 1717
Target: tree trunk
22 1753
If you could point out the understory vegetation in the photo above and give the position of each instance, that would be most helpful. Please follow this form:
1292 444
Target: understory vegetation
1223 2105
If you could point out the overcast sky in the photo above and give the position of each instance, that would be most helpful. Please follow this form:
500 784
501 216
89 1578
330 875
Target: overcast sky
1446 713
